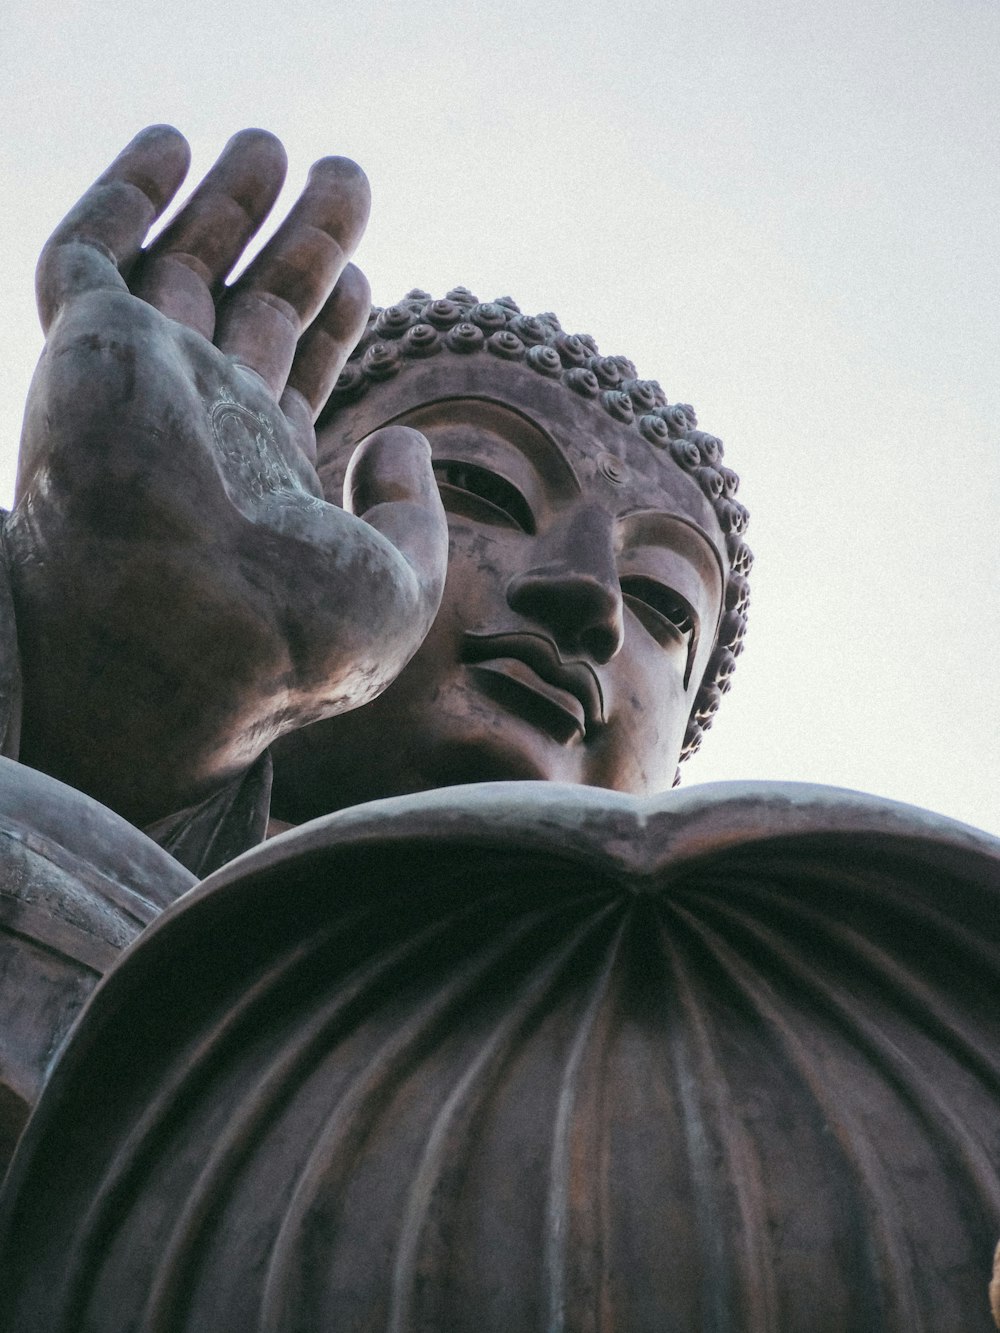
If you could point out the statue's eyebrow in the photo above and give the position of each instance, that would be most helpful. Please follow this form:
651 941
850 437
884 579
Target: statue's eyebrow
544 456
676 532
516 429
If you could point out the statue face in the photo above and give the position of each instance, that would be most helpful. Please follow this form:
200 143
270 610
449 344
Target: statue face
583 597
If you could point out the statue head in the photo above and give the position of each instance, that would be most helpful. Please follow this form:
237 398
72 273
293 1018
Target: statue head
596 597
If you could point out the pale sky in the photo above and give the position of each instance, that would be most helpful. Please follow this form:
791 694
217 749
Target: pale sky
787 214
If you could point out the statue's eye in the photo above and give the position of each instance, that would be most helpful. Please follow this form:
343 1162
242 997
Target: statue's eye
481 494
660 610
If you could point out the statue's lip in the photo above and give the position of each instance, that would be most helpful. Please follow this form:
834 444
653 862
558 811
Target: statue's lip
540 655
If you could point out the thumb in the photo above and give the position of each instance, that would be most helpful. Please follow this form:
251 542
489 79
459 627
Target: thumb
390 484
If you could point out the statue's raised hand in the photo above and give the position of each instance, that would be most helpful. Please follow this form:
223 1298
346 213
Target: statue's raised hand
184 593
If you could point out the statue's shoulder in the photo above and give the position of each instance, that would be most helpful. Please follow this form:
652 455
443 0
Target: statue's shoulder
524 1056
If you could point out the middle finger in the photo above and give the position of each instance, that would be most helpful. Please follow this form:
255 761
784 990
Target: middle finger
264 313
182 271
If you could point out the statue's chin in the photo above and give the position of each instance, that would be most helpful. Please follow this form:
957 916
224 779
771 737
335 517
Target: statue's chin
317 774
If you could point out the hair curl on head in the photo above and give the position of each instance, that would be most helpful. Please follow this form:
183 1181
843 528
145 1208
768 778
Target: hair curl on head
419 326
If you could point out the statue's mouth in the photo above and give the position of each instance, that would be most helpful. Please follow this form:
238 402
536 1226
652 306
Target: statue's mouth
525 671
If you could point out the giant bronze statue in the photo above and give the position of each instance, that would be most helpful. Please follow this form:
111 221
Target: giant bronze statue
361 968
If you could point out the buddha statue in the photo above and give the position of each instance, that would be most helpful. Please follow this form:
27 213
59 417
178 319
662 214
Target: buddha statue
498 1031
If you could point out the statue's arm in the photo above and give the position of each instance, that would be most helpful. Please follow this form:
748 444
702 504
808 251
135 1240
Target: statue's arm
183 593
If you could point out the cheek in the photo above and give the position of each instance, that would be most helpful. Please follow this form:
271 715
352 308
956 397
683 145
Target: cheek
650 718
478 572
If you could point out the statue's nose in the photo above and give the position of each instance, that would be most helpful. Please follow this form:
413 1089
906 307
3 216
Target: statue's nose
574 592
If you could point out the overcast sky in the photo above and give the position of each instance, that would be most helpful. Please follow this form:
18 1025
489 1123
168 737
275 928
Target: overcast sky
786 213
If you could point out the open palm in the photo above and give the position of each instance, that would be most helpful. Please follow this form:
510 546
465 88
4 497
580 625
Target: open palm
184 592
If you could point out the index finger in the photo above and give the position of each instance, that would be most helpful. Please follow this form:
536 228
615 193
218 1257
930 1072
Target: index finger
102 235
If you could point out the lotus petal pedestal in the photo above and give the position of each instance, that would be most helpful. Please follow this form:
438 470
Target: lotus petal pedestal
525 1057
